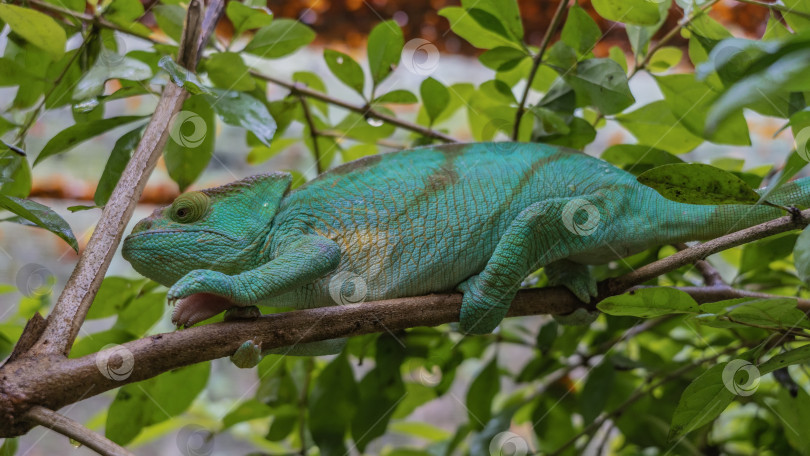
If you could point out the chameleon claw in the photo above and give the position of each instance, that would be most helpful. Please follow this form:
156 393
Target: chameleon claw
247 355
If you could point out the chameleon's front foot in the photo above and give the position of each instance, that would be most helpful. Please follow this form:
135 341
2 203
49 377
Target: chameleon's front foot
200 295
247 355
242 313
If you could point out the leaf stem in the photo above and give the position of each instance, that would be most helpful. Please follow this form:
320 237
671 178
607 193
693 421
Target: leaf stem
538 59
74 430
313 133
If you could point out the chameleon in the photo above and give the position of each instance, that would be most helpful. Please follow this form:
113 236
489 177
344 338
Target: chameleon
477 218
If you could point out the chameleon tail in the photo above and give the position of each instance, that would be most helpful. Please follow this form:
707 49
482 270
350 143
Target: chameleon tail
723 219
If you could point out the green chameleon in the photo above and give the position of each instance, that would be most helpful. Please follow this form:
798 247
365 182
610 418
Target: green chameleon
478 218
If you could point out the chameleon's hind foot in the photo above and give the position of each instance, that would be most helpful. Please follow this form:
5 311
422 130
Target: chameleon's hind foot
242 313
247 355
574 276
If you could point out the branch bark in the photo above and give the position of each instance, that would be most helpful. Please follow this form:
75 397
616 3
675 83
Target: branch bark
70 310
67 427
53 381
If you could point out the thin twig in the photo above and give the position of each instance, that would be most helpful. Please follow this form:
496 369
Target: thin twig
538 59
366 111
313 132
711 276
67 427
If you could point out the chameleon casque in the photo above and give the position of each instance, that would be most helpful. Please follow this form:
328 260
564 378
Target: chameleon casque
476 217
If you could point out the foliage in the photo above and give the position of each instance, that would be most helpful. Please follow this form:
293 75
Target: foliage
655 373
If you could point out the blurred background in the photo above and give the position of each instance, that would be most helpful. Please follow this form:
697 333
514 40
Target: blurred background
32 259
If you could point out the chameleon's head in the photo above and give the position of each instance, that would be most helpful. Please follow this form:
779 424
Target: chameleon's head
215 229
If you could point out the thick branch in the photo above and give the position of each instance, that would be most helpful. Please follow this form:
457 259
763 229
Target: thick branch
71 308
67 427
298 89
538 59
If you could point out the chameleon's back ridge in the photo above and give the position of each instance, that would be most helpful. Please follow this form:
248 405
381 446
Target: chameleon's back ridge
471 217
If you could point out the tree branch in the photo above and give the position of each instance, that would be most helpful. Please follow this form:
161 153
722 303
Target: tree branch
538 59
313 133
67 427
298 89
53 381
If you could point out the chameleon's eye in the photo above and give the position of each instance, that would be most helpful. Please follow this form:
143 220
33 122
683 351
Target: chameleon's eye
189 207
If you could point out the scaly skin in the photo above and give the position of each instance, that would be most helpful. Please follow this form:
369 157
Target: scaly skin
474 217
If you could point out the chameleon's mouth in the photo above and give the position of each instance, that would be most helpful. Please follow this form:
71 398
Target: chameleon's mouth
193 309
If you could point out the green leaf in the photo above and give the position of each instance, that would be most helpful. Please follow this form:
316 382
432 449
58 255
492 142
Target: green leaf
95 342
15 173
580 31
384 49
170 20
242 110
617 55
638 12
244 17
649 302
482 390
787 74
347 70
246 411
580 134
797 22
760 254
506 12
597 390
153 401
467 27
78 133
690 100
801 255
697 183
142 313
778 313
109 66
654 125
116 163
502 58
636 158
665 58
435 98
182 76
9 447
702 401
601 83
332 405
191 141
795 356
794 412
282 37
381 390
41 216
397 96
228 71
37 28
114 295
